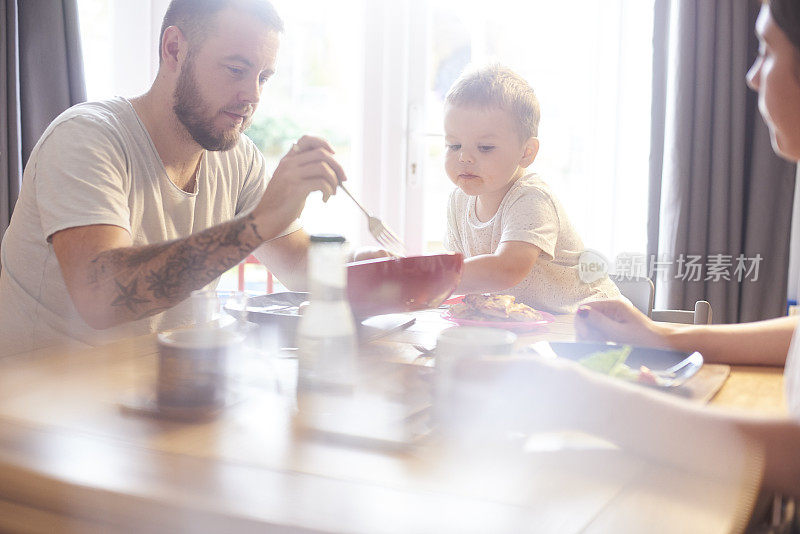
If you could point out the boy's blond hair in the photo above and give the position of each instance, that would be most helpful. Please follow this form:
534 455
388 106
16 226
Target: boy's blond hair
497 86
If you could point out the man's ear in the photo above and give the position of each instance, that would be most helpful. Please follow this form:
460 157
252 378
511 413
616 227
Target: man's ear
174 48
531 149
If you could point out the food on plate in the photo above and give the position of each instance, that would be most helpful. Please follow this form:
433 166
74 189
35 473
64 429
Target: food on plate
612 363
493 308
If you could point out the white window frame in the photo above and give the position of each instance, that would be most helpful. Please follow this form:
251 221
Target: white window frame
136 28
393 89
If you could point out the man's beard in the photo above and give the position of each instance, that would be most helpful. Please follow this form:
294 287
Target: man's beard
197 118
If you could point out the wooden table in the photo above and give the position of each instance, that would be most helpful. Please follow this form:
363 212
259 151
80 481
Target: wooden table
755 389
70 460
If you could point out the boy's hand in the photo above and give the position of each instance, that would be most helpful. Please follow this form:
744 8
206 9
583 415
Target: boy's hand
369 253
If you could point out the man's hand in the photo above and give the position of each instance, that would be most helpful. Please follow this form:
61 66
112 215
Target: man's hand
619 321
308 166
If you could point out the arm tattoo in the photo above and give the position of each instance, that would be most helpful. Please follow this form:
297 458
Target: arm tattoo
127 296
142 281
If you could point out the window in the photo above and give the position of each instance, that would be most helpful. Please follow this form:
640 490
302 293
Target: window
590 65
120 51
370 75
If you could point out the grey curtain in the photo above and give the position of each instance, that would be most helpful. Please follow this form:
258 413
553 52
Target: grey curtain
42 69
719 196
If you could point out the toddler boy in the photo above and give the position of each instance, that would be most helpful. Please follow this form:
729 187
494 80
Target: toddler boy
513 232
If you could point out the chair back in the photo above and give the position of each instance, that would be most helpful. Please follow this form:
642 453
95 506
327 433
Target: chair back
702 314
638 289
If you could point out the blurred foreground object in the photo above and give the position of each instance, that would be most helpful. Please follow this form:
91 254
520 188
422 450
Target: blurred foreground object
326 334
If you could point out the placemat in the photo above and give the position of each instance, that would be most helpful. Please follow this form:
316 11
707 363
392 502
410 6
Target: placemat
704 385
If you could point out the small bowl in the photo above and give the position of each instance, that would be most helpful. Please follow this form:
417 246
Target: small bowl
396 285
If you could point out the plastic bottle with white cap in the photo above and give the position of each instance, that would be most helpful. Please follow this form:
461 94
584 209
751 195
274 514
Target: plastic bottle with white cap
326 336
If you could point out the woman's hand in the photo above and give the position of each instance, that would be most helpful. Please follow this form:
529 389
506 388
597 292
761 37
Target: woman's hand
621 322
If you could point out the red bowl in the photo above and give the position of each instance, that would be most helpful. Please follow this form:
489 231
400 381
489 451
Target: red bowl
393 285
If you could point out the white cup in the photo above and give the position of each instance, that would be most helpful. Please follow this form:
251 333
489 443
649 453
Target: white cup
472 341
192 367
460 344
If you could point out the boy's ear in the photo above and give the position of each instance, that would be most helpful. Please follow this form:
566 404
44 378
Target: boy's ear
531 149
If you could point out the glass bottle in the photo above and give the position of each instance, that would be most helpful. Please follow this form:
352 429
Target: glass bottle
326 334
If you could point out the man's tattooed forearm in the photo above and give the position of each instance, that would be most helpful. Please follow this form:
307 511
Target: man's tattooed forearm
106 264
151 311
200 258
128 296
146 277
185 265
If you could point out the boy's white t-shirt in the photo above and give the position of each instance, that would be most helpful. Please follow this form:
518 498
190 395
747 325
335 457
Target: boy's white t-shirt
530 213
96 164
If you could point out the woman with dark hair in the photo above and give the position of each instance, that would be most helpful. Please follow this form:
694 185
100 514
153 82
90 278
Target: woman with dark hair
775 74
676 430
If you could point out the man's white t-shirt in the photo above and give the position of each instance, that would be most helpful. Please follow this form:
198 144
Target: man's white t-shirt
530 213
96 164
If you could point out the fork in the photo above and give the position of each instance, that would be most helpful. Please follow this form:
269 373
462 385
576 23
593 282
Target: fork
379 231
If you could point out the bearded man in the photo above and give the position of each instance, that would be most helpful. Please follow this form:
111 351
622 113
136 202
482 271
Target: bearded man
128 205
